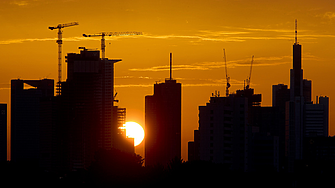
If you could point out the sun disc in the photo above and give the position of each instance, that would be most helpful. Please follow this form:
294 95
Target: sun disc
134 130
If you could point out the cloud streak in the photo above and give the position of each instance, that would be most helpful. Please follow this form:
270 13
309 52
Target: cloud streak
227 34
260 61
188 82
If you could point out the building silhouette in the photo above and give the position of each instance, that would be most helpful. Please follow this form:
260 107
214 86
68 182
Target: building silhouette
63 133
305 119
32 126
89 118
163 123
3 132
289 135
234 131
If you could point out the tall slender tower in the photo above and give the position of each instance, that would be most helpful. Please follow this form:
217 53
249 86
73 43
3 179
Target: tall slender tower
163 122
296 72
296 108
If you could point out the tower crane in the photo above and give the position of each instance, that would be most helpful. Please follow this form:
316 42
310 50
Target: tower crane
248 79
227 78
59 42
103 34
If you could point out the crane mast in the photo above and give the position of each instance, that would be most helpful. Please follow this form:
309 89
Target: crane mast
248 79
103 34
227 78
60 42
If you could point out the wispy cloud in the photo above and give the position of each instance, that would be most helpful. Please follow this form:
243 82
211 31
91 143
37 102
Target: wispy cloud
260 61
329 15
19 3
4 86
227 34
15 41
188 82
73 39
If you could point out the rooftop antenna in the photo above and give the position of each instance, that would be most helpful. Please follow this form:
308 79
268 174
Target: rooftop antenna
296 31
170 66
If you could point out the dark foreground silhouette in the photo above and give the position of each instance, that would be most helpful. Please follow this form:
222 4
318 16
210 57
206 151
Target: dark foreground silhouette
115 168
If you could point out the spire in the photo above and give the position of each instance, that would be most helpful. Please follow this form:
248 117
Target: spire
296 31
170 66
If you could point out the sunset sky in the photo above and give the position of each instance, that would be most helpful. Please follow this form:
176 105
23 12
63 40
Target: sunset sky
195 31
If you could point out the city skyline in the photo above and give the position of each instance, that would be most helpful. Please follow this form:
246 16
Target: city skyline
196 40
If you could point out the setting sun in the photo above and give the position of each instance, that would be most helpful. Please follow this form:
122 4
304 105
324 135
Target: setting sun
134 130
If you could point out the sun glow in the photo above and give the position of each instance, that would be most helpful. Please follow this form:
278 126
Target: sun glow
134 130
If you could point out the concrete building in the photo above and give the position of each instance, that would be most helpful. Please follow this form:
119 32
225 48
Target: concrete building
163 122
223 129
316 118
303 118
32 132
237 132
86 105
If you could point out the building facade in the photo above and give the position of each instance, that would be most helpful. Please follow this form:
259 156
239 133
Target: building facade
163 123
32 131
86 105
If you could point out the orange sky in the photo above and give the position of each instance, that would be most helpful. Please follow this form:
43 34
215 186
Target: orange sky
194 31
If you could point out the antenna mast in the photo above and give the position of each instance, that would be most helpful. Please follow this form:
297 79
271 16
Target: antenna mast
170 66
296 31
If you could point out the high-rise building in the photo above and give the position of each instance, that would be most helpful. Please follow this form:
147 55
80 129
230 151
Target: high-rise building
163 123
223 129
86 106
316 118
280 95
295 110
303 118
235 131
30 102
3 132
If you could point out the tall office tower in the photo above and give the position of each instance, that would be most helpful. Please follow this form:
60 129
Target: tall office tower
87 107
316 118
30 128
280 95
307 90
222 131
163 123
231 133
3 132
280 98
296 109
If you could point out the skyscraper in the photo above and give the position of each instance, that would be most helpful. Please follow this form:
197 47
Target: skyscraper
87 107
303 118
316 118
163 123
296 108
28 123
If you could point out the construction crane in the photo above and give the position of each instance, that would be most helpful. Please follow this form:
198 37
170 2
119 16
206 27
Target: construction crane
227 78
59 42
103 34
248 79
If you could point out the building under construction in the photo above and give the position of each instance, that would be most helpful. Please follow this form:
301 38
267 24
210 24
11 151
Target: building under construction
90 120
